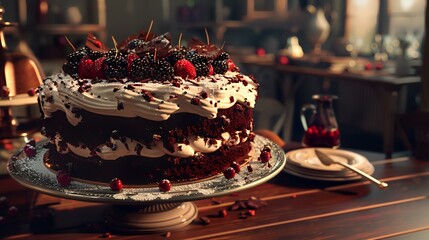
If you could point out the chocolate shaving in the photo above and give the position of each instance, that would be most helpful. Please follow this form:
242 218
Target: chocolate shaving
141 36
162 45
94 44
210 51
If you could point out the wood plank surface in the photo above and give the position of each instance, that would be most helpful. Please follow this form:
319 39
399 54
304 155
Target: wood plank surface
296 209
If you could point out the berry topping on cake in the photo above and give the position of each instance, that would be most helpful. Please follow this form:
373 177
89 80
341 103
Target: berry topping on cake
86 68
63 178
185 69
220 66
164 185
116 184
163 71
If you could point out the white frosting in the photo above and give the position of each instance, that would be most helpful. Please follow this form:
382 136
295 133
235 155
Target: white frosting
61 92
130 147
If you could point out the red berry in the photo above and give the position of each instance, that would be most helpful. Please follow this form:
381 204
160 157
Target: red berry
368 66
265 156
5 91
99 68
236 167
185 69
29 150
164 185
130 58
211 69
229 173
116 184
260 52
231 66
31 92
86 68
12 212
63 178
379 66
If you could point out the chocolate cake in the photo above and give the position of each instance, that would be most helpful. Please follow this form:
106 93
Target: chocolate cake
146 111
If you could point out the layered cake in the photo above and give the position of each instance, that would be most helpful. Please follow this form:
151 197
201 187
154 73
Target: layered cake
145 110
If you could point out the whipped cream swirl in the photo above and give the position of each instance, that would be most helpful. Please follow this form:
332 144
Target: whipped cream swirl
150 100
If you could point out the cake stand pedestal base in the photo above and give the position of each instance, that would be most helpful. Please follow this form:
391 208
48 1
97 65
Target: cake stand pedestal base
150 218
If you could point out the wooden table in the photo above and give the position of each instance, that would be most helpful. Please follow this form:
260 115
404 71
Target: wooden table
387 86
296 209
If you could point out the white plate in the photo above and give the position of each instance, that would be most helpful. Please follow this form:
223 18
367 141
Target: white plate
304 163
306 158
325 177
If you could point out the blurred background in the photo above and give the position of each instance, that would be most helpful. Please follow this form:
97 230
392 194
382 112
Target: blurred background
389 32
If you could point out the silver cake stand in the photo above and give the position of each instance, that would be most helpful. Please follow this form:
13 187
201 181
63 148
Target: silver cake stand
144 208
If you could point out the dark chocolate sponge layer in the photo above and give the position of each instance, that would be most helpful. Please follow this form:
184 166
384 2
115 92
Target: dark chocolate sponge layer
141 170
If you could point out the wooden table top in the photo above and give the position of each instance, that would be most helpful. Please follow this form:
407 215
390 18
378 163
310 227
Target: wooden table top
296 209
336 71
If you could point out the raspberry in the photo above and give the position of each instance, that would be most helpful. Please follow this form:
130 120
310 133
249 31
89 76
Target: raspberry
63 178
164 185
231 66
86 68
99 68
116 184
185 69
130 59
211 70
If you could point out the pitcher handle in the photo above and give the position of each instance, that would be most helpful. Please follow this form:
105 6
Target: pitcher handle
303 110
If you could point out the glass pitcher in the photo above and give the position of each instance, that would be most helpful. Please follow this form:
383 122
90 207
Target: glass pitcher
322 128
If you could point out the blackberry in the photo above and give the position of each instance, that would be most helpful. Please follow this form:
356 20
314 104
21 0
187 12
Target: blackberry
220 66
113 53
223 56
71 68
140 69
94 55
202 69
190 54
116 67
196 59
163 71
73 59
77 55
174 56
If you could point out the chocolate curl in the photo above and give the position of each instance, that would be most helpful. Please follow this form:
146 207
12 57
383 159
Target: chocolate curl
210 51
94 44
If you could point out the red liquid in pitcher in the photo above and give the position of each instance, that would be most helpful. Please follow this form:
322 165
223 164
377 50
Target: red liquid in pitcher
317 136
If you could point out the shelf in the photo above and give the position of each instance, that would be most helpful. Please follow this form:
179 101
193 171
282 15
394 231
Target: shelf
60 29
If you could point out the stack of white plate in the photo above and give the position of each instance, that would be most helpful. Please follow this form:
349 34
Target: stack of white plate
304 163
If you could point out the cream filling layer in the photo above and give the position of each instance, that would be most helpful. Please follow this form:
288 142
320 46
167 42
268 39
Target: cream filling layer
130 147
62 92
